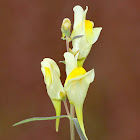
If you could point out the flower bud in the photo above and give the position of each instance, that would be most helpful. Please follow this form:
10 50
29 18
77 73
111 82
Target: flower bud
66 24
65 28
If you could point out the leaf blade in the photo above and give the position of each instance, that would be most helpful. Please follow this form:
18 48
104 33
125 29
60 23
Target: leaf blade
78 36
79 131
39 119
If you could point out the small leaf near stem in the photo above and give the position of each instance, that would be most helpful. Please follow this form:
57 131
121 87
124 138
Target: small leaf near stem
78 128
40 119
75 37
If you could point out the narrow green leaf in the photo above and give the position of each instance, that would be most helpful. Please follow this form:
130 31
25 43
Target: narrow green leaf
78 36
79 131
40 119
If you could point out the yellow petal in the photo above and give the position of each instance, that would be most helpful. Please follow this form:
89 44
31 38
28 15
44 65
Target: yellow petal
88 24
89 76
78 15
57 106
53 65
89 31
71 62
76 72
47 76
96 33
45 68
79 21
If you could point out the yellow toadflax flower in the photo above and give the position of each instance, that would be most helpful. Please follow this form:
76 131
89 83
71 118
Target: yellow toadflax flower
54 87
83 27
77 84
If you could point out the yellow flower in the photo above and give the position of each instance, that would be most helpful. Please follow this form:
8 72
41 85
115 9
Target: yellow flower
54 87
83 27
77 84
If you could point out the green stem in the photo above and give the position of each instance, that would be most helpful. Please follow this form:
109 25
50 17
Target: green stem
66 107
72 112
67 44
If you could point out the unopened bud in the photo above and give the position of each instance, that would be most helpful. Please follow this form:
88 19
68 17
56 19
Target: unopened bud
66 26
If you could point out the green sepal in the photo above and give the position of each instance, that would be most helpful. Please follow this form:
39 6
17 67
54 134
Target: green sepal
65 33
40 119
70 50
81 61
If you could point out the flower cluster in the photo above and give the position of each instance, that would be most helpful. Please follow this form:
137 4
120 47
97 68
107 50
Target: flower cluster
78 79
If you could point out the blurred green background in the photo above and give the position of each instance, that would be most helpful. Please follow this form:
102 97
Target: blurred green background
30 31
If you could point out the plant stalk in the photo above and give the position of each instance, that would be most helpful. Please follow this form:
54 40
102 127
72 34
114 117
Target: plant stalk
72 111
72 132
67 44
66 107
